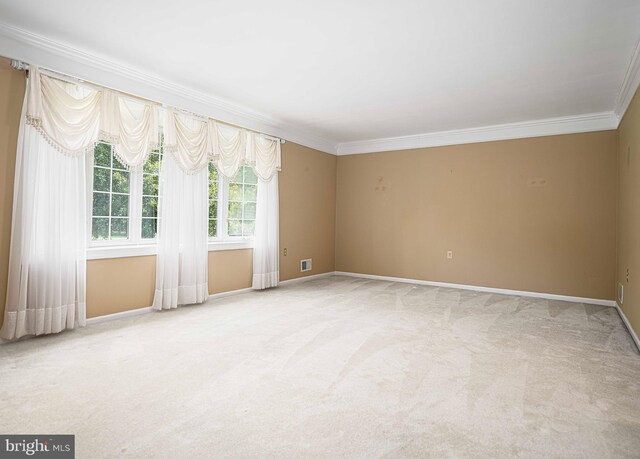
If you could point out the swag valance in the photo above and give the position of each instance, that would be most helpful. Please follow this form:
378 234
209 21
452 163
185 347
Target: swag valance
72 118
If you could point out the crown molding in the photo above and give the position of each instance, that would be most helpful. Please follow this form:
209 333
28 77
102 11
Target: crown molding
537 128
629 84
21 44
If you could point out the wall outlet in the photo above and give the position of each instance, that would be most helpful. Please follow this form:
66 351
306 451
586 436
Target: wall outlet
306 265
449 254
285 252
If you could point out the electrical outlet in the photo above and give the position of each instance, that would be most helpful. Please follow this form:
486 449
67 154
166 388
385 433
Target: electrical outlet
449 254
285 251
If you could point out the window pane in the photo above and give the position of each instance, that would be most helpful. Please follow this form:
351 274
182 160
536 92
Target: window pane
102 155
235 227
213 173
238 177
235 210
100 228
250 192
149 228
235 192
213 228
149 206
117 164
120 182
101 204
150 185
119 205
249 211
213 209
213 190
248 227
249 175
152 165
100 179
119 228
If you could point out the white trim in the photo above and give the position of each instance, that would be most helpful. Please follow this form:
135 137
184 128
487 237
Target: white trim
143 250
306 278
135 312
121 251
627 324
629 84
215 246
536 128
21 44
17 43
118 315
502 291
240 291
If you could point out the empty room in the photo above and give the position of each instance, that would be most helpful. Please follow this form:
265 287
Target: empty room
330 229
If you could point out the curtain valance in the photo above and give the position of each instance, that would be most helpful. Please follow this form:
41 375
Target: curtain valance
72 118
194 142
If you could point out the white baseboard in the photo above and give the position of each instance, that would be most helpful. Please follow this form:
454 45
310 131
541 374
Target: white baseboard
502 291
306 278
118 315
240 291
627 324
135 312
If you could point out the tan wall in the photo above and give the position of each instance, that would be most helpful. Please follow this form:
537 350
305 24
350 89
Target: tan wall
120 284
307 210
12 86
628 225
135 278
532 214
230 270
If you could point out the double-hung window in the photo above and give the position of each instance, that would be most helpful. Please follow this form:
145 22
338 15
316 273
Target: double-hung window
111 186
232 205
124 204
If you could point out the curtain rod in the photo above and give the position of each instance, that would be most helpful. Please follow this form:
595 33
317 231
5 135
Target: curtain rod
20 65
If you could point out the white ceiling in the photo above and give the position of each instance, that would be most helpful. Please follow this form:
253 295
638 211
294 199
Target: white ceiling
354 70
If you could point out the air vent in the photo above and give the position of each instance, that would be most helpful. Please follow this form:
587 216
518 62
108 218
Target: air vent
620 293
305 265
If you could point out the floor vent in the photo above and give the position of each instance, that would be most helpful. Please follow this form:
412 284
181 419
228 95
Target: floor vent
305 265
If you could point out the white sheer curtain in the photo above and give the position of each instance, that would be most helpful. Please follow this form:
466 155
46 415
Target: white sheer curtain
182 260
266 252
46 288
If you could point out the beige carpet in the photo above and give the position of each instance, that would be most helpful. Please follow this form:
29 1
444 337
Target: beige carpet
338 367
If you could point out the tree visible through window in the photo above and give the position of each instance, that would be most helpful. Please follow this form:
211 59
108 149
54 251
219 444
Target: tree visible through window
111 185
243 190
150 181
232 204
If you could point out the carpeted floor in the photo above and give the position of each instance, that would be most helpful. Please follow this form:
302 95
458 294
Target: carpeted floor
336 367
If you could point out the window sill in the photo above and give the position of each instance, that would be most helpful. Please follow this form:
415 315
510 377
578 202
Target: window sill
126 251
121 251
230 245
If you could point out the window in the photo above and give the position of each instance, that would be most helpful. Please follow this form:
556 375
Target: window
150 181
124 203
232 204
111 193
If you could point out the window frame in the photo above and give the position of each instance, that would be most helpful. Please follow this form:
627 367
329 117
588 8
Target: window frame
135 245
223 214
